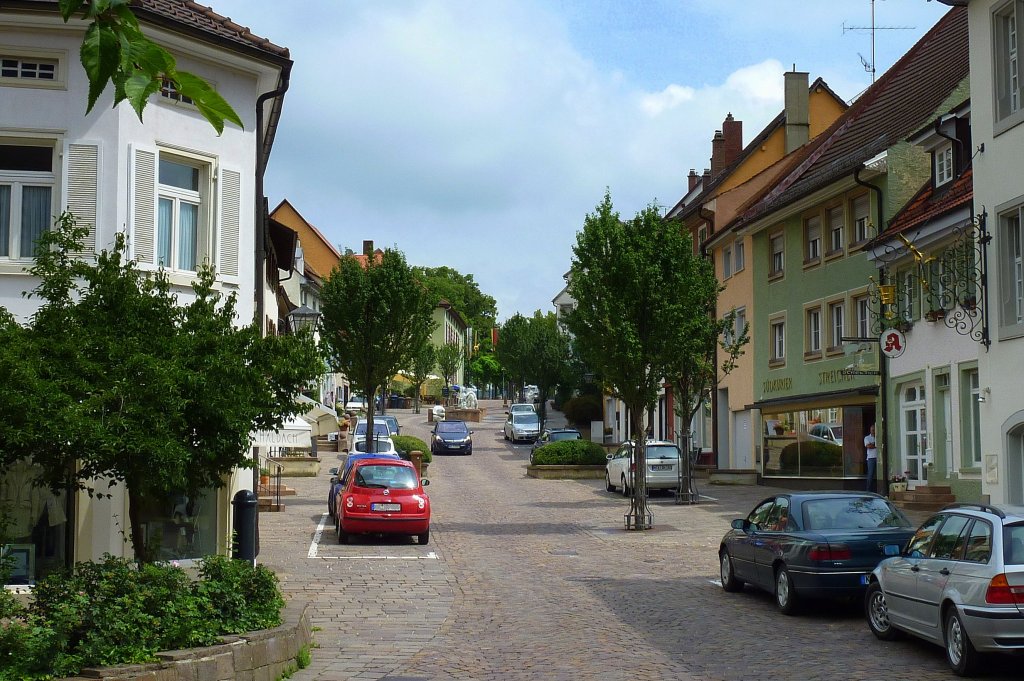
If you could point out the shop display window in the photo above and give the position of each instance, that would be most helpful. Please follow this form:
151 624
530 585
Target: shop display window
33 524
813 443
181 526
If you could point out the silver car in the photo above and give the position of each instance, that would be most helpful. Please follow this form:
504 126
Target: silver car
522 425
959 583
662 466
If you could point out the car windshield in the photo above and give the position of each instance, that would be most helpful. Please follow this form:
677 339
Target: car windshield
857 513
454 428
837 432
1013 543
525 419
379 476
379 428
563 435
662 452
391 421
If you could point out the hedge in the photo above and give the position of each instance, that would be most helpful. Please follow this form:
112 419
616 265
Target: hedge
407 443
570 453
582 409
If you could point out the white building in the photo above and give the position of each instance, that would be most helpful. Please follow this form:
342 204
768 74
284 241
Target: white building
182 194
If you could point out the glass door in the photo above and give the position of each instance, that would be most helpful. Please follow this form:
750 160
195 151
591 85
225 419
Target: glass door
914 435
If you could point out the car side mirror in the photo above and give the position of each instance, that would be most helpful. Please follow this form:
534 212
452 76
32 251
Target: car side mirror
425 482
334 480
609 456
741 524
333 471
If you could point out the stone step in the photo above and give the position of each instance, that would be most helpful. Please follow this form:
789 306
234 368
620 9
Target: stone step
268 506
271 490
929 506
924 498
933 489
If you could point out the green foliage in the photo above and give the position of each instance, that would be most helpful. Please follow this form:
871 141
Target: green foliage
449 360
570 453
476 308
146 392
115 51
113 612
811 454
303 659
582 409
485 369
407 443
376 318
535 350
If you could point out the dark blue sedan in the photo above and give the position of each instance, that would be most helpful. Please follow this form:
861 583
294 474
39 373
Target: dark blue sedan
811 545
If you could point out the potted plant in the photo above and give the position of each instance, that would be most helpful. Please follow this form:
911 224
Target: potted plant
898 482
264 476
935 314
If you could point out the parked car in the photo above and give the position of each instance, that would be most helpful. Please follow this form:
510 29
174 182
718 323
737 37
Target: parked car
383 496
521 425
827 432
451 437
338 476
521 408
380 445
959 583
811 545
380 428
355 403
662 466
392 423
554 435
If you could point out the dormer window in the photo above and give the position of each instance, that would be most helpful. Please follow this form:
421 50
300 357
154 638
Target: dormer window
943 164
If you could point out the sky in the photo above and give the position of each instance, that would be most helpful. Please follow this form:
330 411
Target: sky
478 134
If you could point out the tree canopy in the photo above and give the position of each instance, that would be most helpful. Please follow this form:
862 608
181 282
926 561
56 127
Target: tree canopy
376 318
477 308
117 381
539 352
449 359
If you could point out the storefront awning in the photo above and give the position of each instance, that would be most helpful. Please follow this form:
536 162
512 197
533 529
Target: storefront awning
294 432
321 418
831 397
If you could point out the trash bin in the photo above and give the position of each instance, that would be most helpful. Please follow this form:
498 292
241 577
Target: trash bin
246 506
395 402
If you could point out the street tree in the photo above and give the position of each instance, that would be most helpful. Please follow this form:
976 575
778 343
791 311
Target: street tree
630 280
549 360
422 365
512 350
119 384
376 317
449 360
485 369
115 51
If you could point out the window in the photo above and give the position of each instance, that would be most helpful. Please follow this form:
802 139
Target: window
1011 268
27 182
727 263
1006 58
860 208
922 539
946 539
863 314
812 237
777 249
813 331
836 224
168 91
778 355
28 68
179 214
979 543
971 416
944 164
739 257
908 295
740 327
836 318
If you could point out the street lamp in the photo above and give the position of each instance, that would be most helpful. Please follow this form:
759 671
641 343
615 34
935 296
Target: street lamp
302 318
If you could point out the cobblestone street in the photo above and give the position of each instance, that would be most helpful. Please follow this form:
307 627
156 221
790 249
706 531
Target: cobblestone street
535 579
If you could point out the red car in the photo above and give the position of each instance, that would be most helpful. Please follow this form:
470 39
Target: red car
383 496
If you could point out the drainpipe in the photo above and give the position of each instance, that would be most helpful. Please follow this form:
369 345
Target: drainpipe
709 217
882 434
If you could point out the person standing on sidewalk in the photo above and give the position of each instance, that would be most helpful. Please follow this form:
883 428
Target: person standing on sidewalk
871 451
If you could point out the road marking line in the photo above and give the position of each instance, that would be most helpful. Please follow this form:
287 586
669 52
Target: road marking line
716 582
704 496
429 556
316 537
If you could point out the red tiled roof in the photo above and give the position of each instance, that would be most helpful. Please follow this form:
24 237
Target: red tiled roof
188 16
931 203
896 105
378 258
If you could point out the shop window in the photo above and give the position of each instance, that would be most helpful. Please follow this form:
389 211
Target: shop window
33 523
181 526
809 443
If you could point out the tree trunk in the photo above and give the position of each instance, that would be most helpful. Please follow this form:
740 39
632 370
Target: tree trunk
416 399
639 513
142 552
371 403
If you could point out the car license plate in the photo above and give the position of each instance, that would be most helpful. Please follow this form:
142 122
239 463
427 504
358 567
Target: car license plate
386 507
864 579
661 467
891 550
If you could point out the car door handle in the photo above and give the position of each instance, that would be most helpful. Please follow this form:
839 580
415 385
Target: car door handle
915 569
944 571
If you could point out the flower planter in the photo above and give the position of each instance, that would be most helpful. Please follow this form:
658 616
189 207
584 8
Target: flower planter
897 487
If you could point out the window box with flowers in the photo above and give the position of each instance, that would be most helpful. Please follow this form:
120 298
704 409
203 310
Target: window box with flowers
934 315
898 482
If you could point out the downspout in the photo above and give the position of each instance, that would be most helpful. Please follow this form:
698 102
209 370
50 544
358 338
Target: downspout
709 217
882 433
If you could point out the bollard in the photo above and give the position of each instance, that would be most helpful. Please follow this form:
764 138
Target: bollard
246 507
416 457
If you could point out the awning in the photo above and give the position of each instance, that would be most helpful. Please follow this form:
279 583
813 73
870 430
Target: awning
294 432
321 418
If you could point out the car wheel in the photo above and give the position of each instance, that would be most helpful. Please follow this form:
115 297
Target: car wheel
877 611
963 659
729 581
608 483
505 435
424 538
343 536
625 487
469 452
785 593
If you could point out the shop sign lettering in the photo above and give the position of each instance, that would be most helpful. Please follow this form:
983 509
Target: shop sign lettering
833 376
774 385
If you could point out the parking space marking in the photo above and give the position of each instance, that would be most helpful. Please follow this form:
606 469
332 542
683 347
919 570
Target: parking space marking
716 582
429 556
316 536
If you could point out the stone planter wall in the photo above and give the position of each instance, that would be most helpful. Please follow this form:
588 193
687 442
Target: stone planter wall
257 656
457 414
296 466
566 472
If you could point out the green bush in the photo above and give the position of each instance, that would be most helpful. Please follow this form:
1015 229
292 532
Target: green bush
407 443
113 612
570 453
582 409
810 455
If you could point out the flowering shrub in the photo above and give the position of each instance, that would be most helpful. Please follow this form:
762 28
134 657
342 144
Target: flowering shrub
900 477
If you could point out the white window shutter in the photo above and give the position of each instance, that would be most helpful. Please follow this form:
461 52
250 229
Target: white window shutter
230 206
83 171
143 229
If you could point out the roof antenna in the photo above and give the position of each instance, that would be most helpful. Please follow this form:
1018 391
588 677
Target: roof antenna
869 66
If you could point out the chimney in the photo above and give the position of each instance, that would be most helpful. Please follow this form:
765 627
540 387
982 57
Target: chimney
368 248
692 180
797 109
732 130
717 144
706 178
